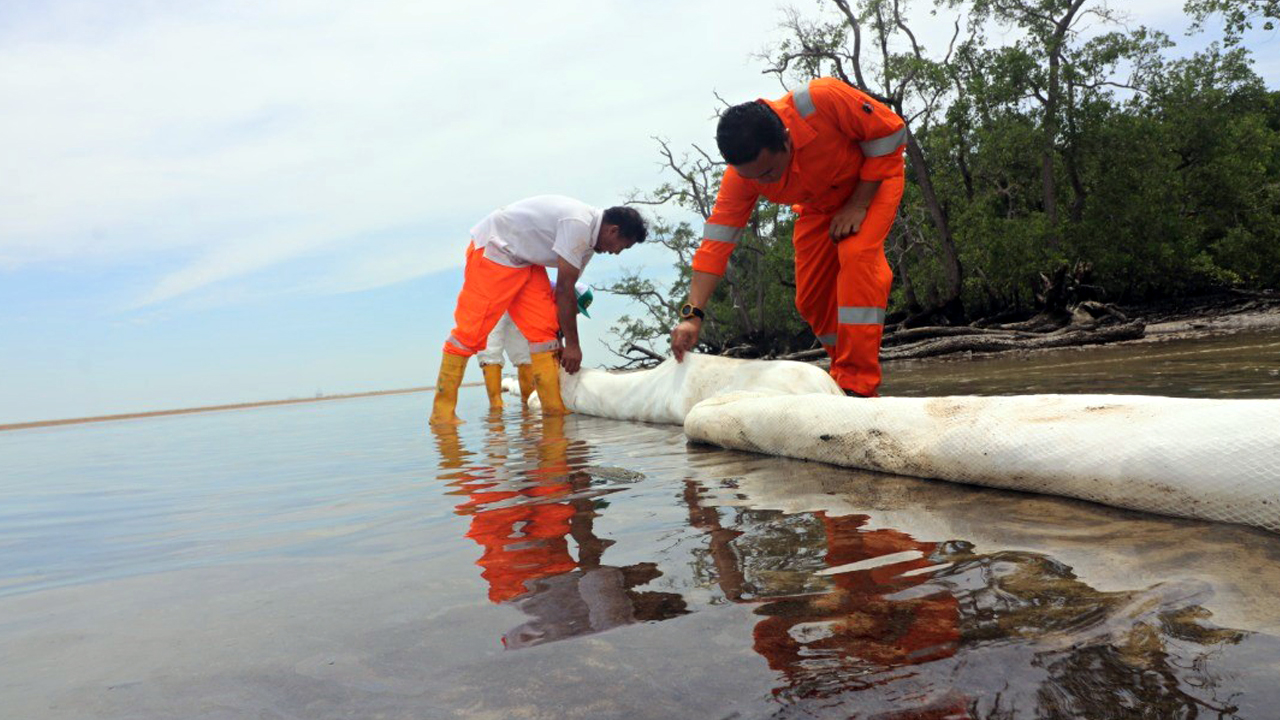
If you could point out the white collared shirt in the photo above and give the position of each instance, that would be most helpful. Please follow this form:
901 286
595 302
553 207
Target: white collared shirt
539 231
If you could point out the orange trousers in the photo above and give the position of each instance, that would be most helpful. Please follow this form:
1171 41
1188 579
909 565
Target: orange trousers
490 289
522 543
842 289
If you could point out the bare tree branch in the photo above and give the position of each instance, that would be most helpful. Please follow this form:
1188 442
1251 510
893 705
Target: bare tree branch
915 46
857 41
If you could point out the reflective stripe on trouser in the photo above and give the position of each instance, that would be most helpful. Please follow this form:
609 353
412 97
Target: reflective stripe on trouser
842 289
489 290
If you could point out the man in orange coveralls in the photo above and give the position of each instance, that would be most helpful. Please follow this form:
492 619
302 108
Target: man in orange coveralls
835 154
507 259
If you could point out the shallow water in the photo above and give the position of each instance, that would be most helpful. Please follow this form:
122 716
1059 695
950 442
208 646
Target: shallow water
340 560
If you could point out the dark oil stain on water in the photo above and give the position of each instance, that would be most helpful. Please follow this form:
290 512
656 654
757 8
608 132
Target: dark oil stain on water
339 560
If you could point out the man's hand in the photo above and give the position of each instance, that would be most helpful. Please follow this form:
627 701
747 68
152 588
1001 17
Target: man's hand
685 337
571 359
847 222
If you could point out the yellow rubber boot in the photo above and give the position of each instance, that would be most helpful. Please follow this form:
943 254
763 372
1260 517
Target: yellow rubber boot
442 409
546 378
525 374
493 385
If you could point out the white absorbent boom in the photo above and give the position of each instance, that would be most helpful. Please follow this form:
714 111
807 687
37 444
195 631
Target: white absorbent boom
1210 459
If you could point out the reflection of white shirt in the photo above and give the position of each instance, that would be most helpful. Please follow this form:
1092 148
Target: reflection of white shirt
538 231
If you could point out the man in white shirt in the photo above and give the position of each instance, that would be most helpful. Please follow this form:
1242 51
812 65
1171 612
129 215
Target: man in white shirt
506 272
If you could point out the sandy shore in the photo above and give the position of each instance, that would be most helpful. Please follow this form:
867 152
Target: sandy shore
213 408
1193 327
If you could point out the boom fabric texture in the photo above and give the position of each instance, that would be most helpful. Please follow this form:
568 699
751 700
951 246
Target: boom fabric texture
667 393
1210 459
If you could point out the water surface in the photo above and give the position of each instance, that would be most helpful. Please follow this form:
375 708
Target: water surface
340 560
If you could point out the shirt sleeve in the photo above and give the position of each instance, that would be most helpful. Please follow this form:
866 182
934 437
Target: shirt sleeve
734 203
573 241
879 132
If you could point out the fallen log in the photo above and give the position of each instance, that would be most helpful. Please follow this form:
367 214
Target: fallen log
995 343
903 337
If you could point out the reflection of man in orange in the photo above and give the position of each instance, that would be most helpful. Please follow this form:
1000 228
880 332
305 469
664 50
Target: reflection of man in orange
824 643
521 542
856 620
522 526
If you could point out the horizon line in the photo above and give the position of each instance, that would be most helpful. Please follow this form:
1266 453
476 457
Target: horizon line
211 408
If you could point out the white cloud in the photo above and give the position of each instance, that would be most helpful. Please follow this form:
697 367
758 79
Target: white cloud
243 136
236 137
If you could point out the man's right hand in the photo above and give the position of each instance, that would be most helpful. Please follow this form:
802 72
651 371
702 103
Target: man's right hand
685 337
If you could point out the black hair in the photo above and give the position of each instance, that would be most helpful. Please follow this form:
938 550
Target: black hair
746 129
630 224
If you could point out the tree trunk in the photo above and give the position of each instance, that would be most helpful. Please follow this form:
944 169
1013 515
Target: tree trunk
1052 97
1046 156
950 256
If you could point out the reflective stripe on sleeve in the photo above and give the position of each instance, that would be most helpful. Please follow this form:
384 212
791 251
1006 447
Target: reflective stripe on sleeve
861 316
723 233
827 339
804 103
884 145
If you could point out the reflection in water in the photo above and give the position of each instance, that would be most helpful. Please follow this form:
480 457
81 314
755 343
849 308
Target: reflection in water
854 619
213 562
876 623
524 513
841 639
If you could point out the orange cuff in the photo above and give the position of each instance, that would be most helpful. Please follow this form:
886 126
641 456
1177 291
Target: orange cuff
882 168
712 257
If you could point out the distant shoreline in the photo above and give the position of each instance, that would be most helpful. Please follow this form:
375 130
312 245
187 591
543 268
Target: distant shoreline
1179 326
209 408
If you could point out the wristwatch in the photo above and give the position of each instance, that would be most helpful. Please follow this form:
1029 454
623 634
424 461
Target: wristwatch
689 312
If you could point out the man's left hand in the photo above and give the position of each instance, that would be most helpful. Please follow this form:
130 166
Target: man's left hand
847 222
571 359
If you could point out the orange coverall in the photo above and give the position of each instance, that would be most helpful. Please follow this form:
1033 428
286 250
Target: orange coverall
490 289
839 136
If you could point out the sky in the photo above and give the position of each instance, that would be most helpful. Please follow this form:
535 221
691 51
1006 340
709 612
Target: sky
230 201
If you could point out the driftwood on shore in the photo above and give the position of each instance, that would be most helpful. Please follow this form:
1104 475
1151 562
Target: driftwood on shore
1084 322
993 342
934 341
1088 323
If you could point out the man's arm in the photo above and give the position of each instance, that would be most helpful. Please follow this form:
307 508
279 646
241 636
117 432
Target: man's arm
848 220
567 314
734 203
685 335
